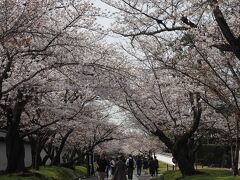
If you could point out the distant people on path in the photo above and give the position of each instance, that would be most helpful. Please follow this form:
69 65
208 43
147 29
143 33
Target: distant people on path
130 163
120 169
139 163
102 166
156 165
152 167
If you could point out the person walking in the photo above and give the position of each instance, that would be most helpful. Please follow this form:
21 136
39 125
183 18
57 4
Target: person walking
101 167
139 165
145 163
112 164
120 169
151 166
130 166
107 168
156 166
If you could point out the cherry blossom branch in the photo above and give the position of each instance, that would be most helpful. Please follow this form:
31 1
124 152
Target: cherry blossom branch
151 33
55 65
218 76
40 128
161 96
225 29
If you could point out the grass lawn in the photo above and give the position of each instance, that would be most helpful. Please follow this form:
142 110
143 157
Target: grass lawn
209 174
163 167
56 173
49 173
12 177
81 170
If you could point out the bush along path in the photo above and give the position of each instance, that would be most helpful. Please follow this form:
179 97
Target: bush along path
49 173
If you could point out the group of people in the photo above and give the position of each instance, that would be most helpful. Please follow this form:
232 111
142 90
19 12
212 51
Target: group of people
120 167
150 163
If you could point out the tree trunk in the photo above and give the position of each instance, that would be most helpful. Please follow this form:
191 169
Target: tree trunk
234 159
15 151
14 144
236 152
33 149
185 160
50 151
92 165
80 157
45 159
37 155
88 164
225 29
56 160
73 154
235 162
183 145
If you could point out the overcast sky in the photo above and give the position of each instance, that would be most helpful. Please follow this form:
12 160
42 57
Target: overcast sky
107 22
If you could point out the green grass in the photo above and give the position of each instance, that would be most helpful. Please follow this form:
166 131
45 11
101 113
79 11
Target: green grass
163 167
49 173
81 170
56 173
14 177
209 174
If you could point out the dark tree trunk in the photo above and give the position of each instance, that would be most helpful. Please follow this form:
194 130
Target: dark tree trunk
89 158
236 152
15 151
235 162
56 160
45 159
185 159
14 144
92 165
33 149
183 146
88 164
37 159
233 41
183 153
80 159
49 150
73 154
234 159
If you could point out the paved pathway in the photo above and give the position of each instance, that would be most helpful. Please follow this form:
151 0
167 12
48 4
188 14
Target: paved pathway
144 177
163 157
166 158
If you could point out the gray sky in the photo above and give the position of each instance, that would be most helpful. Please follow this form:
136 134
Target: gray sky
107 22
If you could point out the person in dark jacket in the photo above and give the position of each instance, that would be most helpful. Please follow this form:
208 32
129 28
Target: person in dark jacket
130 163
107 168
101 167
112 164
156 165
120 169
139 163
151 166
145 163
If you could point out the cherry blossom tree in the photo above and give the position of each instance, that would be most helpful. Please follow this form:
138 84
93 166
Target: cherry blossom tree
37 40
179 76
198 41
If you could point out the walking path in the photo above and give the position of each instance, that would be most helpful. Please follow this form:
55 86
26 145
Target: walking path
144 177
166 158
163 157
